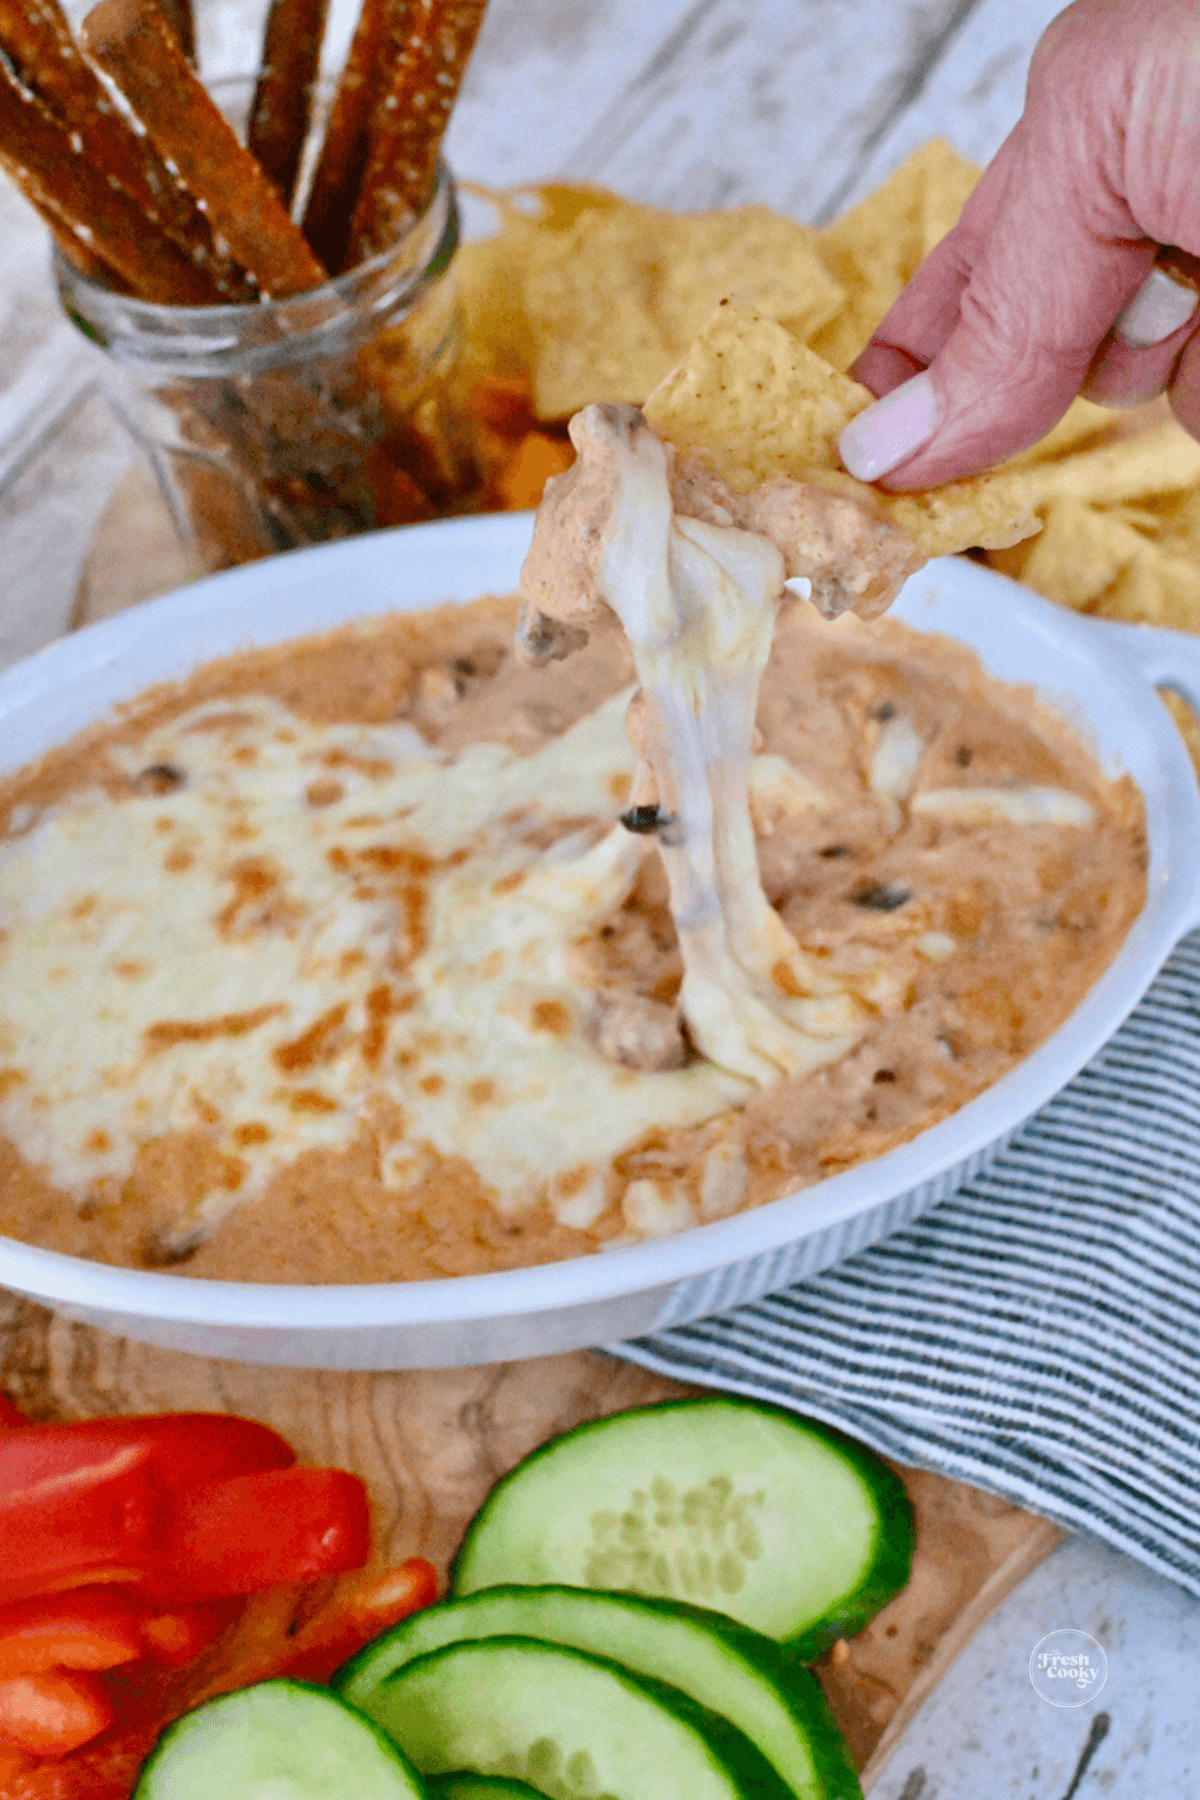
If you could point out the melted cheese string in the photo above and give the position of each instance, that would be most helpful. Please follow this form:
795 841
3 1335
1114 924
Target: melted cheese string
698 605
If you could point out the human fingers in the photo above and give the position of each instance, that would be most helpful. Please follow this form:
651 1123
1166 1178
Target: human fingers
919 323
1061 295
924 316
1184 391
1060 260
1100 171
1137 359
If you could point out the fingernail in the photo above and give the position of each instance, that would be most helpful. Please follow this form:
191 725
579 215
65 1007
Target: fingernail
889 431
1160 306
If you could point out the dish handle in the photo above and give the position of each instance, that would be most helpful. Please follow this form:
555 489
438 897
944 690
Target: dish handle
1164 658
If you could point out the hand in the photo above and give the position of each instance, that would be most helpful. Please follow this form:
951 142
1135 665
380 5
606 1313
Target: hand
1030 300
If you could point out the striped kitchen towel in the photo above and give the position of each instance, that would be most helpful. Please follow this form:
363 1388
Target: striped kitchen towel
1038 1332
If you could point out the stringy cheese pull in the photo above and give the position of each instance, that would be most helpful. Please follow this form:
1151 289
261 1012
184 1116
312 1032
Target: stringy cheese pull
698 604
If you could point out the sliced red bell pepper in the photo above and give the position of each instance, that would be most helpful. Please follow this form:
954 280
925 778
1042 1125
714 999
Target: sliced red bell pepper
10 1418
100 1523
260 1531
105 1769
189 1450
53 1713
372 1604
83 1502
89 1628
260 1648
174 1639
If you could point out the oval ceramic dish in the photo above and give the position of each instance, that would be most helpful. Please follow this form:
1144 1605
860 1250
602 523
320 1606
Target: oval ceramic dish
1102 677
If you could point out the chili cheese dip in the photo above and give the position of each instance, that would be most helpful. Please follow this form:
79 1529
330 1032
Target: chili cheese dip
334 963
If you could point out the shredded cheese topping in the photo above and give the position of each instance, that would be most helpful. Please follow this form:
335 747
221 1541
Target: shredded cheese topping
321 930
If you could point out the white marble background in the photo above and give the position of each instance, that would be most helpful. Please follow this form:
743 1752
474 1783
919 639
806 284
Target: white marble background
805 104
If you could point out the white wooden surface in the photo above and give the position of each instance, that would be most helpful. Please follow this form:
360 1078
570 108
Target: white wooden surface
984 1734
805 104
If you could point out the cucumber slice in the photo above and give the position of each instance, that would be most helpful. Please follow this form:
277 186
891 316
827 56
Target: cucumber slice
722 1666
281 1740
478 1787
568 1724
769 1518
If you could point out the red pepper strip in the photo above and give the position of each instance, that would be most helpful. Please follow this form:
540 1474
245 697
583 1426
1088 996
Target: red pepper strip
174 1639
190 1450
10 1418
12 1763
98 1524
373 1603
259 1531
91 1628
260 1648
106 1769
53 1713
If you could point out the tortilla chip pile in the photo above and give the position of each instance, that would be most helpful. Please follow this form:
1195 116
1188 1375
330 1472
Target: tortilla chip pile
734 329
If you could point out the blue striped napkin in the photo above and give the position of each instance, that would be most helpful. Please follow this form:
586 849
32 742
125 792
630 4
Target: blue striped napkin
1038 1332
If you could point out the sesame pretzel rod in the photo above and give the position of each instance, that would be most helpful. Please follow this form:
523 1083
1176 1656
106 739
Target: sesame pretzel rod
178 14
47 160
409 120
344 151
62 228
133 43
37 40
282 107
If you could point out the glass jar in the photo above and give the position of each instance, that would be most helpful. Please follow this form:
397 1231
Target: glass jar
295 421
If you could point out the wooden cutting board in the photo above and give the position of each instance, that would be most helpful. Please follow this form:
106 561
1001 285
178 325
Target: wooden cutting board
429 1443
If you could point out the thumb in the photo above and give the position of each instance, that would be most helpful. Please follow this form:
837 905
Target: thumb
1060 258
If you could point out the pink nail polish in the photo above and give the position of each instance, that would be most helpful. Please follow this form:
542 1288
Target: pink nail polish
889 431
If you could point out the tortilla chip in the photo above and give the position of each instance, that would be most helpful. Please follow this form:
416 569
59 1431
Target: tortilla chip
1155 589
875 248
556 205
1079 554
629 286
759 404
1174 519
497 338
757 401
1165 460
751 254
988 512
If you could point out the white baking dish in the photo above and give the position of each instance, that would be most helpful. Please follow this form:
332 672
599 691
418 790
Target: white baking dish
1101 676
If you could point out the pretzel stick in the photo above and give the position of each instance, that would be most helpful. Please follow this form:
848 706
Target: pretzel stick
132 42
283 98
409 120
344 151
35 36
178 14
47 160
62 229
